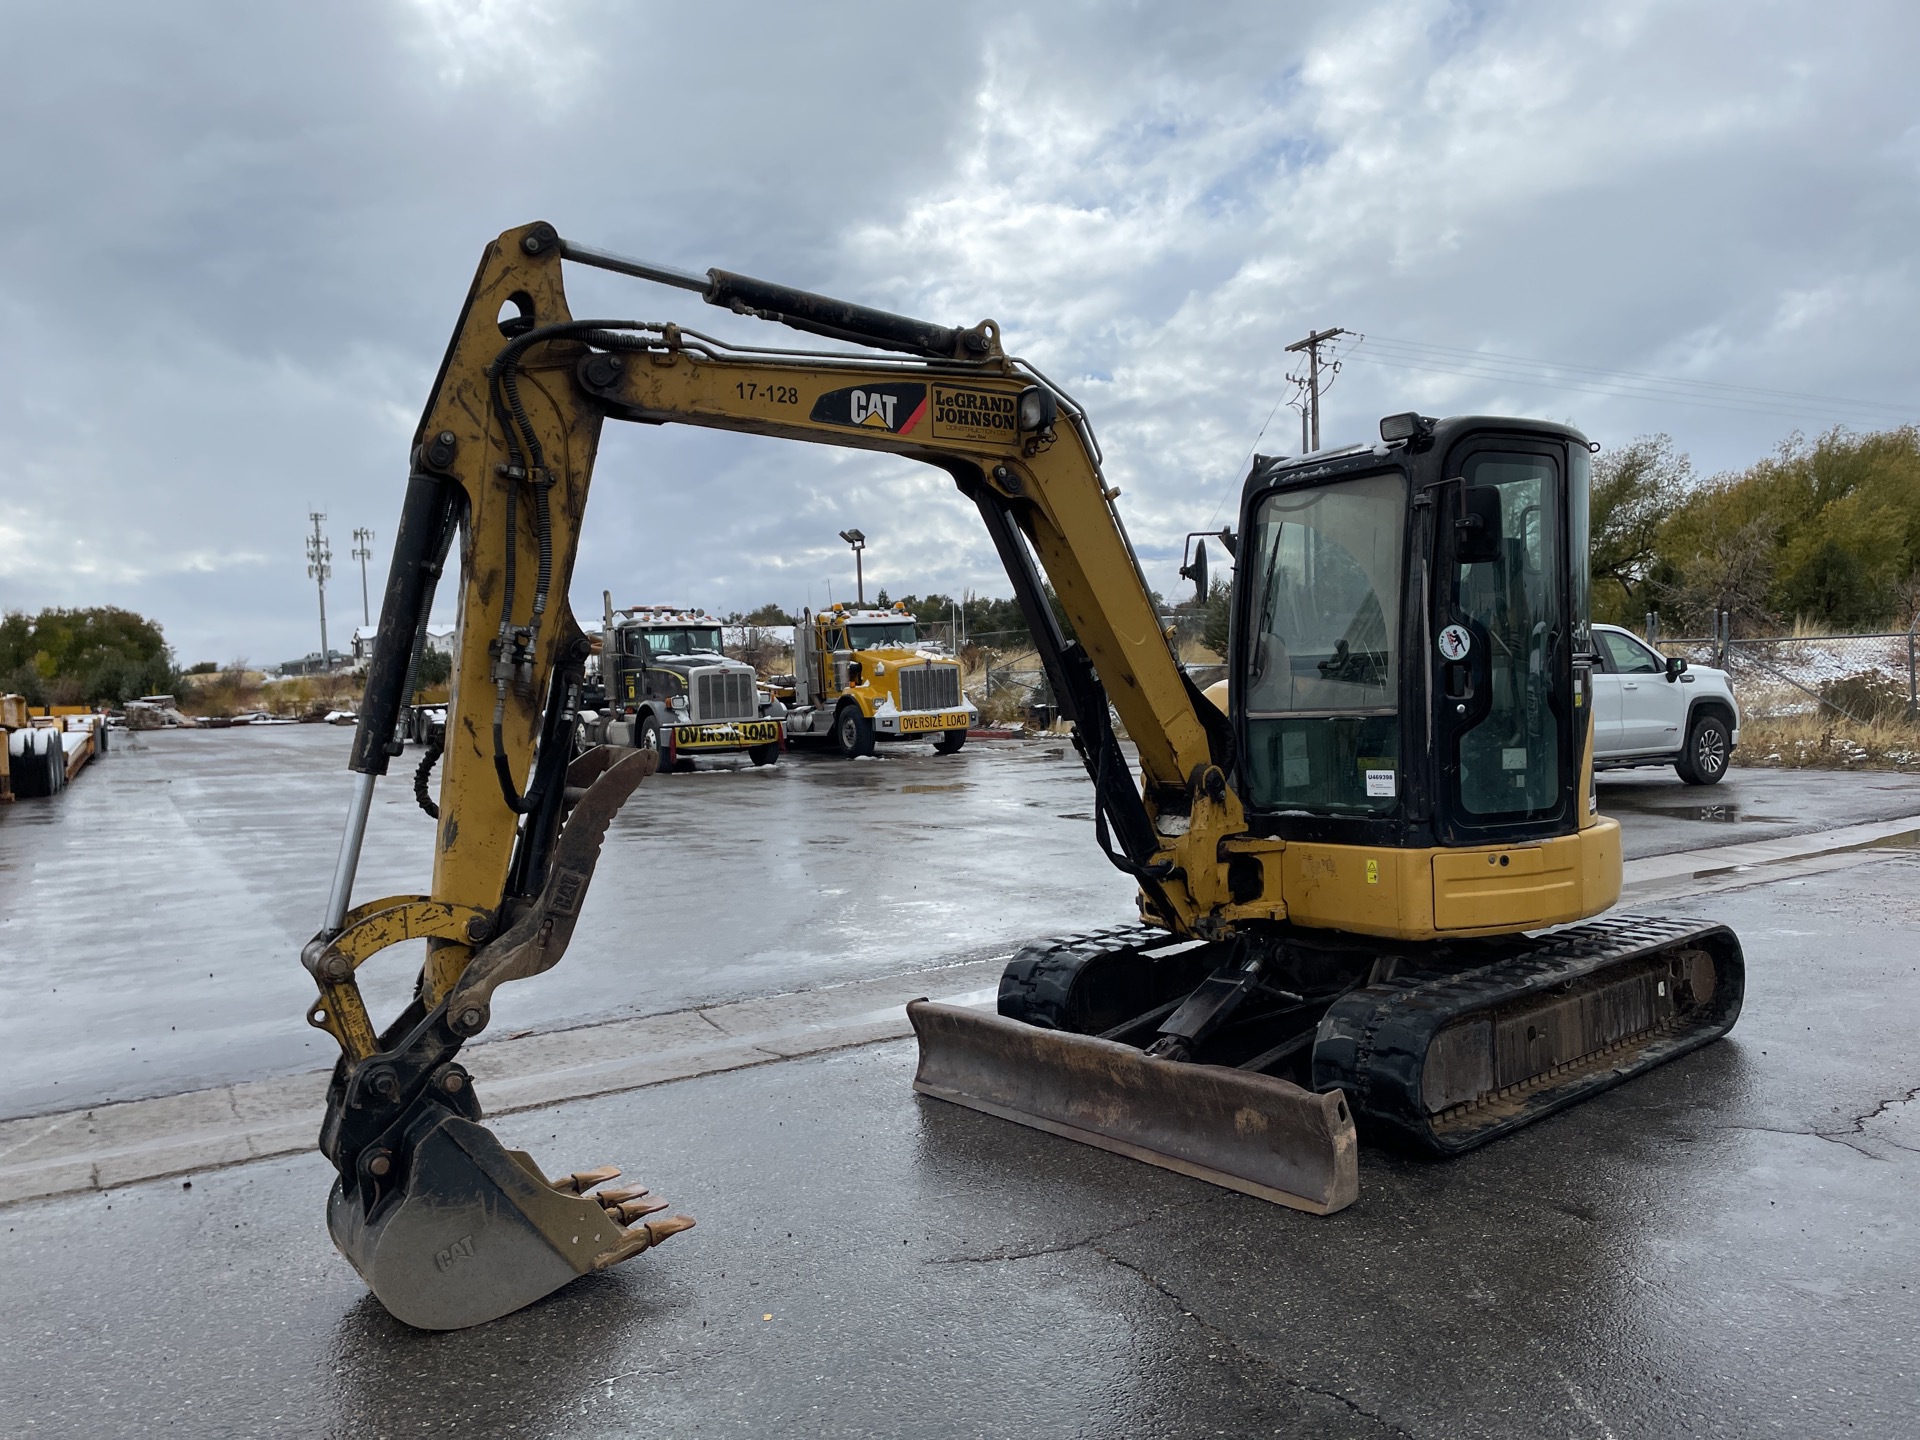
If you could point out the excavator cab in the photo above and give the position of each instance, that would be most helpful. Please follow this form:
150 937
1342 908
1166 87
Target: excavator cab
1362 565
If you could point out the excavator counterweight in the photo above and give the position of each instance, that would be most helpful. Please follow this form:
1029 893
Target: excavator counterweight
1355 874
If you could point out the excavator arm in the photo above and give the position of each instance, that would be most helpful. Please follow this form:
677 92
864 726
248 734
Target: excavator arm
501 466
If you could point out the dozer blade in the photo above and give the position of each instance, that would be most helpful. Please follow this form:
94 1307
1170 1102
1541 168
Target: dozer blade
473 1230
1246 1131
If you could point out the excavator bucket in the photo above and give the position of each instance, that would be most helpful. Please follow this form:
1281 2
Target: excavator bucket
447 1226
1236 1128
475 1231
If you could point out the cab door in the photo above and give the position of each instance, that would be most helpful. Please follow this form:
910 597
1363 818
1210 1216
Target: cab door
1503 665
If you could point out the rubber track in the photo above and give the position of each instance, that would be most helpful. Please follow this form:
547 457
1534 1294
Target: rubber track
1035 985
1373 1043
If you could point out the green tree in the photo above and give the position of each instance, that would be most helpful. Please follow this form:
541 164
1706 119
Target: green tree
100 655
435 668
1635 492
1826 531
767 614
1213 630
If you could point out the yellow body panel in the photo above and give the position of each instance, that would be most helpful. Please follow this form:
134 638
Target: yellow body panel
1433 894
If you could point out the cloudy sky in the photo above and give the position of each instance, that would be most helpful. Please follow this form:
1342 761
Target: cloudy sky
237 235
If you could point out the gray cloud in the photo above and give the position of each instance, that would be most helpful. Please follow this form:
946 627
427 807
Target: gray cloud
236 236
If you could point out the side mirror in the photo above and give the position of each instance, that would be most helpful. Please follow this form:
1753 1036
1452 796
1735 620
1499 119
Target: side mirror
1197 572
1676 667
1476 533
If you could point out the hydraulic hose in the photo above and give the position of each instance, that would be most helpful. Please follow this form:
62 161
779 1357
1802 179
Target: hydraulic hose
435 748
526 460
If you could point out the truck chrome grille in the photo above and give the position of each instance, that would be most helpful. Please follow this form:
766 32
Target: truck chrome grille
724 695
930 687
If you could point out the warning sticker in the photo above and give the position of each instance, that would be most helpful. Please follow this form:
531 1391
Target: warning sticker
1455 642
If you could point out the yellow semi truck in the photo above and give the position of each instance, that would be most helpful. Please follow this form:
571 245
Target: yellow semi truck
864 675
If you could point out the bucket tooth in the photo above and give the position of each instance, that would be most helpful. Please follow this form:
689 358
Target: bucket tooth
582 1181
620 1194
641 1238
1245 1131
636 1209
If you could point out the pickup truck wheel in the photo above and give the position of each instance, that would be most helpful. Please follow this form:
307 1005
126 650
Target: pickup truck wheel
950 741
764 754
1708 750
853 731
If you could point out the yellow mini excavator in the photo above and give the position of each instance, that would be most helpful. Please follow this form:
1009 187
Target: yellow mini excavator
1342 876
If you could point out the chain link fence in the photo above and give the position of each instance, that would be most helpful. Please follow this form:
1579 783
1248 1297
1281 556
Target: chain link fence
1869 679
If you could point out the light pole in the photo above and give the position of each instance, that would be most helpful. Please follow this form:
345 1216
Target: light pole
320 569
859 543
363 552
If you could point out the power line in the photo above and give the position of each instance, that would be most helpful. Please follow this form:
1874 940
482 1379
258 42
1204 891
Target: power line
1251 451
1625 384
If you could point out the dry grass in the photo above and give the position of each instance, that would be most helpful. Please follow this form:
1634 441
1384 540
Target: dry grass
1828 742
232 692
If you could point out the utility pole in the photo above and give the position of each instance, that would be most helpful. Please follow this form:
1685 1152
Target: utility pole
363 552
859 543
320 570
1310 383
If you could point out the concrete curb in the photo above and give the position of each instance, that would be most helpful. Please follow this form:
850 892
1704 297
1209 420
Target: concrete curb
113 1145
1698 864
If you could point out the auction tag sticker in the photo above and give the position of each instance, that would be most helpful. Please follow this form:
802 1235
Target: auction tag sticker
1380 783
1455 642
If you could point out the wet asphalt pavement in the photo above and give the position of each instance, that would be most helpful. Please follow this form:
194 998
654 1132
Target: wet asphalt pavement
151 917
1724 1247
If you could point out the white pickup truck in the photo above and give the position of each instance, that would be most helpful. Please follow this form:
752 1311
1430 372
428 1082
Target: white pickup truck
1649 709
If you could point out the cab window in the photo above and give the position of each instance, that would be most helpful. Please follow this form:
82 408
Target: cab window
1627 656
1322 675
883 634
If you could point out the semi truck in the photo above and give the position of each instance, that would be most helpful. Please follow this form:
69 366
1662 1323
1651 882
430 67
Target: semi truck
665 684
864 675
